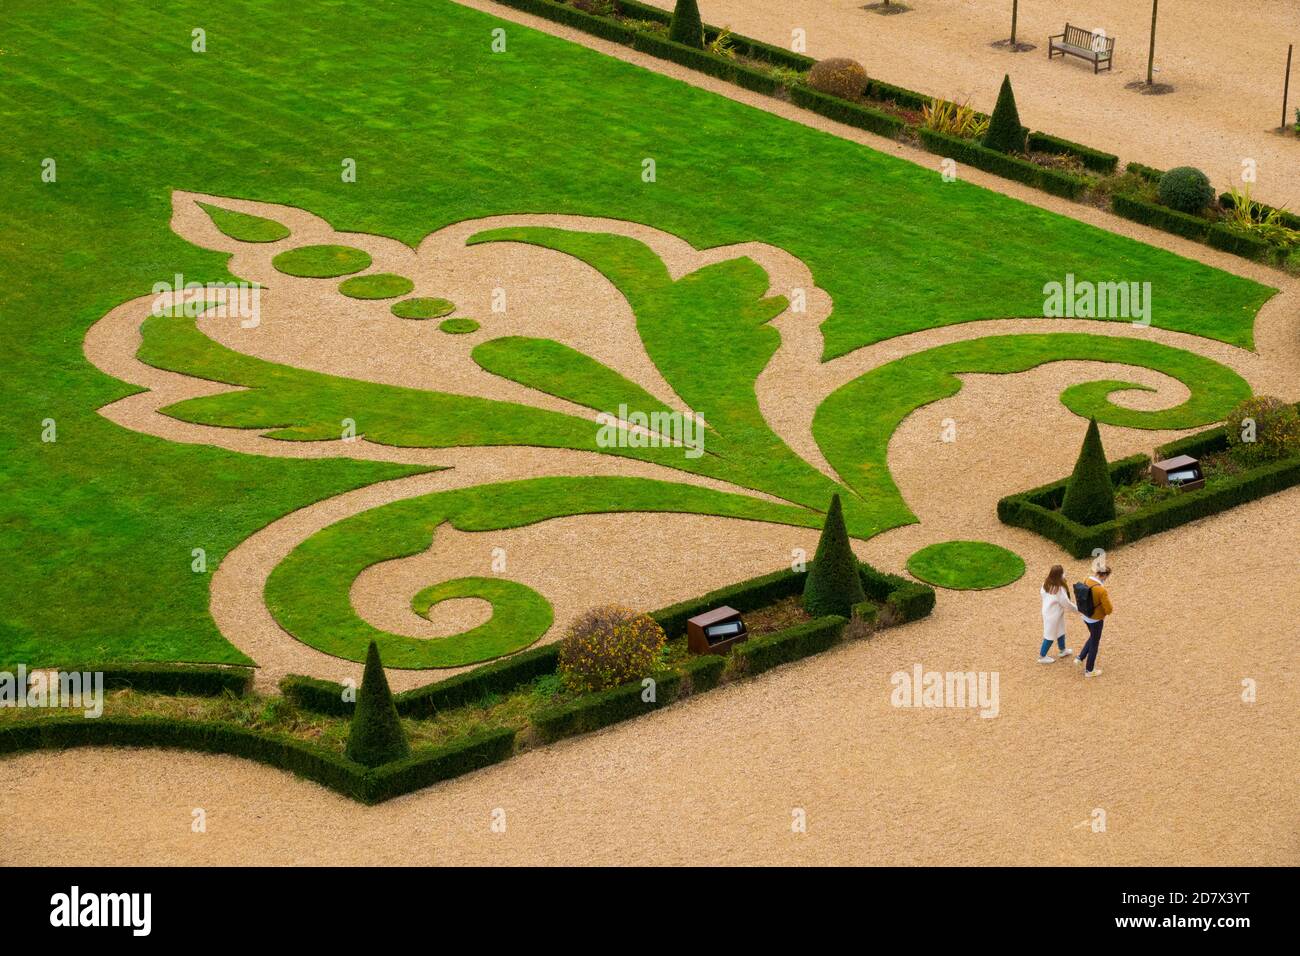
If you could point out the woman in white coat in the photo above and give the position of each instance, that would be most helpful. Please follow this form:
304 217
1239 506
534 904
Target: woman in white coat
1056 601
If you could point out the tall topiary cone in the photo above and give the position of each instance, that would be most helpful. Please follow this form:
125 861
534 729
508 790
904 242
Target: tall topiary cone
686 26
1089 495
833 585
376 735
1005 134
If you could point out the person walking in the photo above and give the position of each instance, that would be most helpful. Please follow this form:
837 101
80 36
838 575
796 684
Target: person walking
1101 609
1055 596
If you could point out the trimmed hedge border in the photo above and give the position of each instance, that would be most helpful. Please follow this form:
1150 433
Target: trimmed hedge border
198 680
906 600
603 708
1149 173
1199 445
904 98
1239 244
704 672
760 654
318 696
1160 217
1215 234
705 62
497 677
1010 167
573 17
1035 511
849 113
1093 159
298 757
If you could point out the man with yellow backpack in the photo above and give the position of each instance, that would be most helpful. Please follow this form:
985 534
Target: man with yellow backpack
1094 605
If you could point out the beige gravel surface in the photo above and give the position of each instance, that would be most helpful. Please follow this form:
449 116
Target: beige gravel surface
1162 743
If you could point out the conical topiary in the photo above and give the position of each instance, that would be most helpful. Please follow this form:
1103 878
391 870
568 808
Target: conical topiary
1089 495
833 585
376 735
686 26
1005 133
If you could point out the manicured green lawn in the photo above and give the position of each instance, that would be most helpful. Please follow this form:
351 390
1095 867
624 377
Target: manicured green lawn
100 526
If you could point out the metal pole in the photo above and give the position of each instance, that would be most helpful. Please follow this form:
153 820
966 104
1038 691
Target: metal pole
1286 84
1151 55
1015 8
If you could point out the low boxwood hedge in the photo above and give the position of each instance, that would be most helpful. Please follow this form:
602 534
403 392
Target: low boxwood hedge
1149 173
199 680
1035 510
593 711
907 600
299 757
899 96
420 770
745 46
498 677
704 672
1209 442
1011 167
724 68
1093 159
603 27
1191 227
1160 217
844 111
1239 244
759 654
318 696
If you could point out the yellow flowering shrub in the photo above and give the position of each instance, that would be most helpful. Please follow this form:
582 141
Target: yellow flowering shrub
608 646
1263 429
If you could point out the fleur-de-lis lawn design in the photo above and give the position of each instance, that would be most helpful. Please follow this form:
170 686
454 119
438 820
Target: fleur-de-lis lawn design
374 349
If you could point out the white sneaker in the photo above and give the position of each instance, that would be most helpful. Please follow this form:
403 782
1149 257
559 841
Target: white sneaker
1078 660
1095 672
1045 659
1066 651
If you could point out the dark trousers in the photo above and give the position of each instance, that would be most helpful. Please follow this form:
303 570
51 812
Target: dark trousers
1089 653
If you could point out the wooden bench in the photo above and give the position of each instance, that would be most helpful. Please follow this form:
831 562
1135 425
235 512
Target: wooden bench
1085 44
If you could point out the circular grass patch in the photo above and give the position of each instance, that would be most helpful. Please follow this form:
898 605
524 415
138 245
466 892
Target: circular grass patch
966 565
377 285
322 262
422 308
458 326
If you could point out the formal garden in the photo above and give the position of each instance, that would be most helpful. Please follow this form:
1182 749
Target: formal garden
710 357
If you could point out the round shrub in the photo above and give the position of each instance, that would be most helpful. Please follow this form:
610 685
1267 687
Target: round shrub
838 77
608 646
1262 429
1186 189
